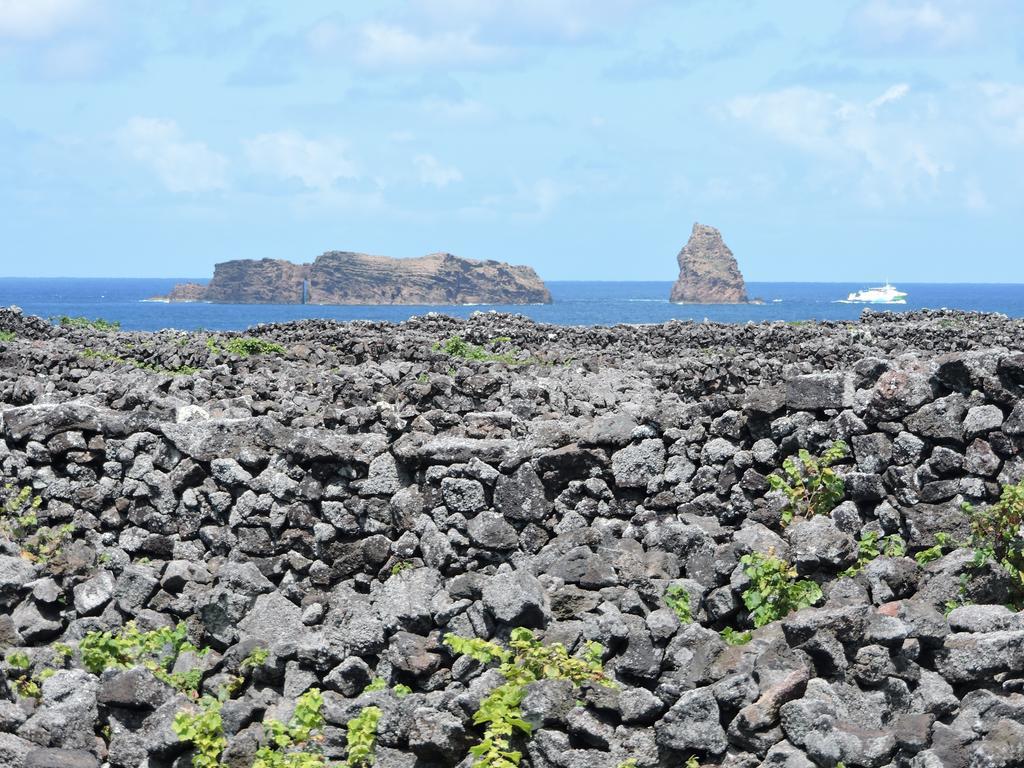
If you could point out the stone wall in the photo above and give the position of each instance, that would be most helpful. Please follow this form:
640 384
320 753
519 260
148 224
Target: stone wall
347 503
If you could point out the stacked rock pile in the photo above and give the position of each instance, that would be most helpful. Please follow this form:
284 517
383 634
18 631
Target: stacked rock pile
312 519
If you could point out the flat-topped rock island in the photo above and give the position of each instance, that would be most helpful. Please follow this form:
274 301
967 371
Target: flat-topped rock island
341 277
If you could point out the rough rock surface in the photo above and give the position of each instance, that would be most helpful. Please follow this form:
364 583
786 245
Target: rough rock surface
252 281
708 273
339 277
348 502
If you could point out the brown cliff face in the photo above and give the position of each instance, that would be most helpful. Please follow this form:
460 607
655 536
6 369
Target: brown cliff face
340 277
708 273
186 292
248 281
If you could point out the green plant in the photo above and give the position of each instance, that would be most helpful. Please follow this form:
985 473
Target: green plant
811 485
156 650
286 743
524 661
457 347
257 658
629 763
401 565
19 523
996 531
401 691
377 684
19 664
6 336
873 545
99 324
361 737
203 728
692 762
774 591
943 541
735 637
246 346
678 599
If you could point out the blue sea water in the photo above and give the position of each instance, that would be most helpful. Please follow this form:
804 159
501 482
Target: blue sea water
575 303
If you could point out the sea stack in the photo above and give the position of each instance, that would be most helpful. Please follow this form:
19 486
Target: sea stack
708 273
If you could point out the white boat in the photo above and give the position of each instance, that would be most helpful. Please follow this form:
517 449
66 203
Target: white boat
885 294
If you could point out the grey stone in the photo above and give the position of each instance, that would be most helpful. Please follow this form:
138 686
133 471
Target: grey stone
965 656
490 531
273 618
982 419
463 495
15 574
939 420
134 688
67 717
873 452
692 723
437 735
548 702
639 706
521 496
60 758
93 594
1002 747
14 750
404 600
516 598
819 391
636 465
818 543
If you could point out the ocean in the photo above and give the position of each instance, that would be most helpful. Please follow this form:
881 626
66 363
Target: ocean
575 303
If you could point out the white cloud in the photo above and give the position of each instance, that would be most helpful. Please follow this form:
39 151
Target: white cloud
907 25
382 46
889 153
434 173
893 94
318 164
34 19
182 166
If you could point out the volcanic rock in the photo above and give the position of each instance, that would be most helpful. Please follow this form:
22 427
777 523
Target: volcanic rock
708 273
340 277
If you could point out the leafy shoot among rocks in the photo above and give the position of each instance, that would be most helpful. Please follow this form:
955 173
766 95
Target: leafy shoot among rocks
525 661
811 485
774 591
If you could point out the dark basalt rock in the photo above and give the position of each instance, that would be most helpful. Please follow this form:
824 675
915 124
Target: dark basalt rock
346 503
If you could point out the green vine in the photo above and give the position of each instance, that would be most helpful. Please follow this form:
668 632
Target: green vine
678 599
526 660
156 650
811 485
361 737
19 523
872 545
774 591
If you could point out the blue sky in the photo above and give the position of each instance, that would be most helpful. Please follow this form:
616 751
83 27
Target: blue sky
829 141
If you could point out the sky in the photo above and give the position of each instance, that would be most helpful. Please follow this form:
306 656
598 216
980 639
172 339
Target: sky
829 141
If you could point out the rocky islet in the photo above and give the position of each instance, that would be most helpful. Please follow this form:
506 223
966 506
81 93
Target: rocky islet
708 272
346 502
342 277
